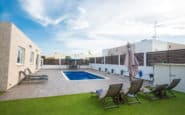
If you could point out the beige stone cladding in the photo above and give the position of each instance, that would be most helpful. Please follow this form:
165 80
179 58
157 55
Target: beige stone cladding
16 39
175 46
5 30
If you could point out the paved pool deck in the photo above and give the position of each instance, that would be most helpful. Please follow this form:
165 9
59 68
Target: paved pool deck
58 85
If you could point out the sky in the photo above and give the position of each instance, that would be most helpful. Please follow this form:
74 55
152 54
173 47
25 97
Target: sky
75 26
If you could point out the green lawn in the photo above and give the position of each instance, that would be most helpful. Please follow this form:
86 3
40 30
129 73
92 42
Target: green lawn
1 92
84 104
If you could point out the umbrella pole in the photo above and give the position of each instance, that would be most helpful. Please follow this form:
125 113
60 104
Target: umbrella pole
130 74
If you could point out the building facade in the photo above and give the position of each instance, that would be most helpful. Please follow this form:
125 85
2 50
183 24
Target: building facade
148 52
55 55
147 45
17 52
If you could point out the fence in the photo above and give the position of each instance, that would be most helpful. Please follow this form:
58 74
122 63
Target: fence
65 62
171 56
116 59
51 62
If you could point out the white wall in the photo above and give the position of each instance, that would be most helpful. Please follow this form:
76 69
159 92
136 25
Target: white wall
62 66
151 46
19 39
117 69
54 67
159 45
143 46
105 52
147 45
11 38
147 70
165 73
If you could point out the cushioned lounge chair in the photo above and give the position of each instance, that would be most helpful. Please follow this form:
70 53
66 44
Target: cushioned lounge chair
30 75
110 98
172 85
27 77
132 92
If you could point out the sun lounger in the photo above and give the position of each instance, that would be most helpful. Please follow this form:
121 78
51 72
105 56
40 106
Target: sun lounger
110 98
32 76
132 92
156 92
29 77
172 85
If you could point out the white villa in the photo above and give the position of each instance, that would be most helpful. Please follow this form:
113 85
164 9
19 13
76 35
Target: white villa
17 52
143 47
146 45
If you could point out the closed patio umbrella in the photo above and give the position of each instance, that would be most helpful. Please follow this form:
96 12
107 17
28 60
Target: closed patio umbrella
131 62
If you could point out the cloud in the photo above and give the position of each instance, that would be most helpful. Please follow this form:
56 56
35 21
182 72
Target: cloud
99 24
77 24
82 10
46 12
112 23
126 17
133 17
95 45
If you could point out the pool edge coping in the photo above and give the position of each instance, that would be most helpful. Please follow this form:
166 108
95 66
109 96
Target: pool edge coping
104 77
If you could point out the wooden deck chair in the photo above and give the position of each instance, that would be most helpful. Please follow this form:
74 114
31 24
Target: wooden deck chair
133 90
172 85
157 92
110 98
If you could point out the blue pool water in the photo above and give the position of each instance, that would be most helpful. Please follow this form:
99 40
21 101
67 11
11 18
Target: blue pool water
80 75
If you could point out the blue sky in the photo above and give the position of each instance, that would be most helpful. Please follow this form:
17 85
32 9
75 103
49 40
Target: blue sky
74 26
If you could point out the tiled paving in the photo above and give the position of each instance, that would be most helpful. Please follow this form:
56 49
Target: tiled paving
58 85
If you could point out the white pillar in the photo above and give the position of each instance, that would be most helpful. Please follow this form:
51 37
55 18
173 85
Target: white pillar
119 59
145 58
59 61
42 61
104 59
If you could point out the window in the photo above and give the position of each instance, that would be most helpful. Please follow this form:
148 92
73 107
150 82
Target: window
37 61
31 57
20 55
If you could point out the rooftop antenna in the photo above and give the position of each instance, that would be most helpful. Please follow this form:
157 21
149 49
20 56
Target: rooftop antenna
155 31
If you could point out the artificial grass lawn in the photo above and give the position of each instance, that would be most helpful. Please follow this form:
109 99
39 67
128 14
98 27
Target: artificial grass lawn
1 92
84 104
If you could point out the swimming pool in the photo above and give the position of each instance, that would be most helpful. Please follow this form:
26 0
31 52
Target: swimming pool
80 75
